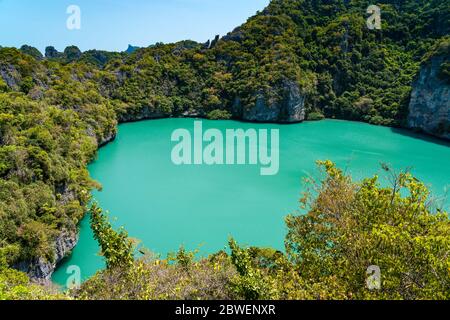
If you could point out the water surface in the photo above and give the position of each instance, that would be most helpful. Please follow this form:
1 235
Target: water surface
165 205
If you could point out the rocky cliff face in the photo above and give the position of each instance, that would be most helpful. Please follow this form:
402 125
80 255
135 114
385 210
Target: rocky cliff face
41 269
429 109
290 109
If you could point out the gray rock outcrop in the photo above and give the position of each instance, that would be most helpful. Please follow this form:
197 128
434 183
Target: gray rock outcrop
429 108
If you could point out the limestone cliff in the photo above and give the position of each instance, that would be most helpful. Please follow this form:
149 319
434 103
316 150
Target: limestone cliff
289 109
429 108
42 269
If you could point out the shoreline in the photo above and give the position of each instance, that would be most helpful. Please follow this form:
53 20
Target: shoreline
406 132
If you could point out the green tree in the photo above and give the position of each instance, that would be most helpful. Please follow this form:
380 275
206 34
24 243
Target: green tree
351 226
250 282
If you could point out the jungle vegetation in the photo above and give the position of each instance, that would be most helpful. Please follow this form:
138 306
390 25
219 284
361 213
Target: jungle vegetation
57 109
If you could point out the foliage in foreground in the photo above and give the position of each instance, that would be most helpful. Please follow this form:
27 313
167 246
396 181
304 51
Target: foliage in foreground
349 227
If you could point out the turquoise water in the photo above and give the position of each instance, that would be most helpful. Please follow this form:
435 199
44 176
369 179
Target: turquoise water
165 205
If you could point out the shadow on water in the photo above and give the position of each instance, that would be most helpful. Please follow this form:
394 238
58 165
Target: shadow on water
421 136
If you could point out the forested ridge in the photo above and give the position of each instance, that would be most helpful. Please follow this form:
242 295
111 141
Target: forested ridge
56 110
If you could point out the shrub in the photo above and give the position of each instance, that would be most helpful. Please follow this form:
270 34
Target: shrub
219 115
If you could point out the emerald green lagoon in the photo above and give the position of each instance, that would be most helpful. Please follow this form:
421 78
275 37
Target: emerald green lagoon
200 206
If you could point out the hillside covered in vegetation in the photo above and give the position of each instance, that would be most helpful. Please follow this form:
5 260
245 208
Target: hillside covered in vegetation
294 60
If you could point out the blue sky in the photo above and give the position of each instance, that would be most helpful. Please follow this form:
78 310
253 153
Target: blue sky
113 24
